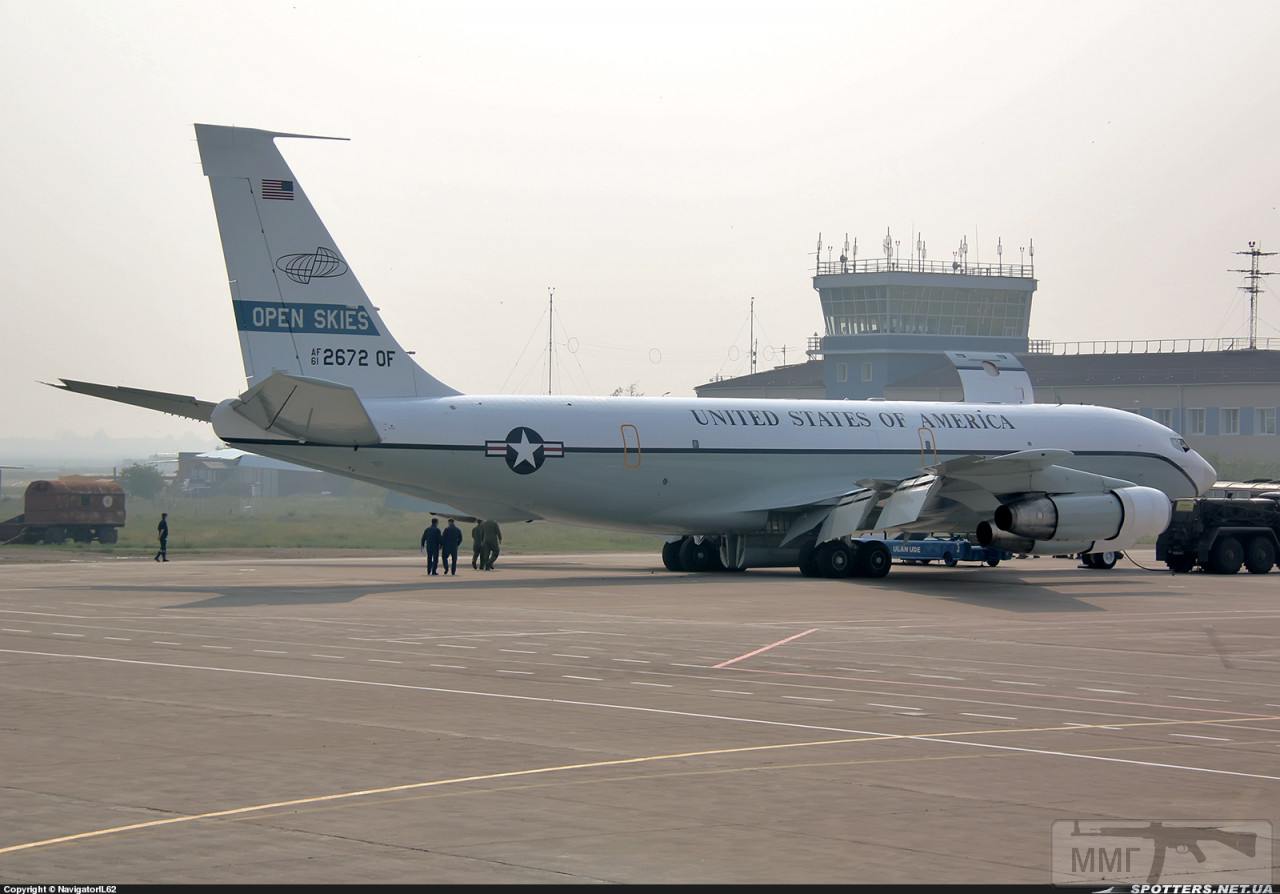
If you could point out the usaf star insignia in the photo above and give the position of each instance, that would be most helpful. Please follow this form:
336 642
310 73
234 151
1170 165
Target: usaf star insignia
524 450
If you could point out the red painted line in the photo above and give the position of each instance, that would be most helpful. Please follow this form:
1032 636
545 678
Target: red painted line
764 648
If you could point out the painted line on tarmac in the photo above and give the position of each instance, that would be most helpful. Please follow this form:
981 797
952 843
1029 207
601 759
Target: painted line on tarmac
947 737
763 649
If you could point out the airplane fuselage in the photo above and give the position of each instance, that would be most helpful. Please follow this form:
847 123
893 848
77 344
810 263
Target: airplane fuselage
676 465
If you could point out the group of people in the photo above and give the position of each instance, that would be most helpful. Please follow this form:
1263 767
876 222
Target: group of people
437 542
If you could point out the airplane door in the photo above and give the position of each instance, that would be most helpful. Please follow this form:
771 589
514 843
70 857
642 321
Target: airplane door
928 446
630 446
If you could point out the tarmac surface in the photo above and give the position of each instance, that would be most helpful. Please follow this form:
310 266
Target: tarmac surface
593 718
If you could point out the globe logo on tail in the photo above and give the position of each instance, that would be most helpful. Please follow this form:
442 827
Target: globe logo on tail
303 267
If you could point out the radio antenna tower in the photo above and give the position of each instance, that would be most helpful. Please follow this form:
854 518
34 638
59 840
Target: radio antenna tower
551 315
1254 276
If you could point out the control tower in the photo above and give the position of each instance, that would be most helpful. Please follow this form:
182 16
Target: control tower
889 318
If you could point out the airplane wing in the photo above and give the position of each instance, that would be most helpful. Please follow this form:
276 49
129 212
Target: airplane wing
174 404
951 496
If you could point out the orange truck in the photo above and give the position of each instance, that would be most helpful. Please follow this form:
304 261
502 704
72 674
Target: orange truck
80 509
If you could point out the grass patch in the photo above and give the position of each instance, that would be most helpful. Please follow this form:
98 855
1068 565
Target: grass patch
357 522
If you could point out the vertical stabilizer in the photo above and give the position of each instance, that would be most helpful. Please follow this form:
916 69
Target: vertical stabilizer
298 305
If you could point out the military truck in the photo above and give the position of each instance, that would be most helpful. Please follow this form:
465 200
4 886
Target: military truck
82 509
1221 535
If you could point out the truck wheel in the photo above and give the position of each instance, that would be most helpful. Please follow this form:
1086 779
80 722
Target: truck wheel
1227 556
993 561
82 535
834 559
873 560
670 554
695 556
108 535
1180 564
55 534
949 560
1259 555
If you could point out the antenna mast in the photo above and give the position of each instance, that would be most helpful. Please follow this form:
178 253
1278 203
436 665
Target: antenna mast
752 344
551 313
1254 276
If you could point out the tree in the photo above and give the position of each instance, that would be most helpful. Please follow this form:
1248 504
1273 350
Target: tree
629 391
140 480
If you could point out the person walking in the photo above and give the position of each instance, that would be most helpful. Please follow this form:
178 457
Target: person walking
477 543
162 530
450 540
431 545
491 540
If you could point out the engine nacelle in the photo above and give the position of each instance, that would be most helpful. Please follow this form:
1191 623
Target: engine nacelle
1115 520
989 535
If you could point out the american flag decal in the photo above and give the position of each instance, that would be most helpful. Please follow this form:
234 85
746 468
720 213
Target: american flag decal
278 189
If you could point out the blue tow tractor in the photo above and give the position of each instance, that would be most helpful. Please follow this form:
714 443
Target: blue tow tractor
945 550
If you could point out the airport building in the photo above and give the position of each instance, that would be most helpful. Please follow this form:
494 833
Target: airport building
894 328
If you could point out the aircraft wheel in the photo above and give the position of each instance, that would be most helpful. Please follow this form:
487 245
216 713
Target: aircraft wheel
834 559
1180 564
1087 559
1259 555
1227 556
808 563
671 554
1104 561
874 559
696 556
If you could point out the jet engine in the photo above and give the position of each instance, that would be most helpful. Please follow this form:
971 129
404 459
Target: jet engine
1114 520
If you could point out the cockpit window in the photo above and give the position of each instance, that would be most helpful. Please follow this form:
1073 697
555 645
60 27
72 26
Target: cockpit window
1181 445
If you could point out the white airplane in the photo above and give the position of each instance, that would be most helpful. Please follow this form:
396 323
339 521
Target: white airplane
732 483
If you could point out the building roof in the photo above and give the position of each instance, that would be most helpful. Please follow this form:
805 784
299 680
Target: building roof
808 374
1058 370
245 460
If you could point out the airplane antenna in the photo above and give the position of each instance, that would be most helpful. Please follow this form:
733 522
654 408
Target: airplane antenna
1254 276
551 313
752 337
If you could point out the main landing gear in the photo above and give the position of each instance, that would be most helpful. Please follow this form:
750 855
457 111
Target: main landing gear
861 558
692 554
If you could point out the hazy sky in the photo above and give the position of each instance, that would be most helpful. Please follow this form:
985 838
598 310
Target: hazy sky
658 163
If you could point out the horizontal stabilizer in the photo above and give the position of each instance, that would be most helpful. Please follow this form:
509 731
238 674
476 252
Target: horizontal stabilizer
174 404
308 409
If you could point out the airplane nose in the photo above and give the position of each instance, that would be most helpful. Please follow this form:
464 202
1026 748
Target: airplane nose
1204 475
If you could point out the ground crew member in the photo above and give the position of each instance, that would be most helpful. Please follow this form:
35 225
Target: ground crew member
431 544
450 540
490 540
162 530
477 544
